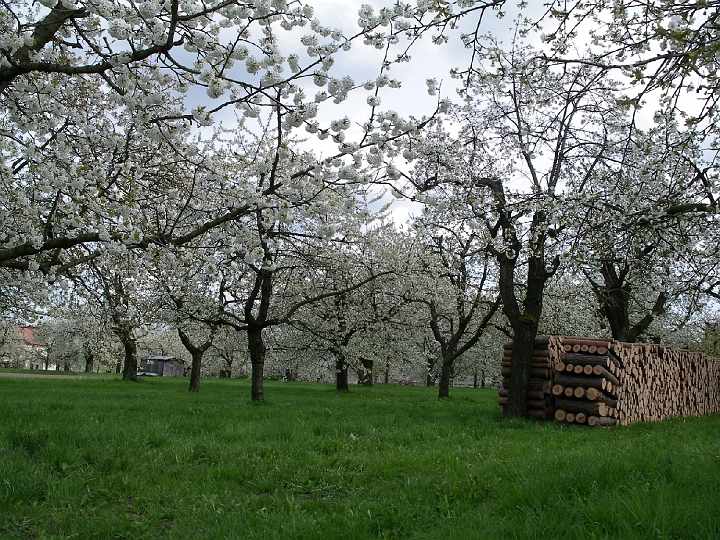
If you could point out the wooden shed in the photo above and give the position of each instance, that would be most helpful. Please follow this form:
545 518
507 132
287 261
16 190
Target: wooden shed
163 366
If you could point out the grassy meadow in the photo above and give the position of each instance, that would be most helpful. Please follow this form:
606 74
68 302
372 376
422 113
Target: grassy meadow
101 458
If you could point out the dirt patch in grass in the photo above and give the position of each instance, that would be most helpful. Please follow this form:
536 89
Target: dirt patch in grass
39 376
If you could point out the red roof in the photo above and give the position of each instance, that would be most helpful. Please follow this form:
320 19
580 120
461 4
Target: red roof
31 336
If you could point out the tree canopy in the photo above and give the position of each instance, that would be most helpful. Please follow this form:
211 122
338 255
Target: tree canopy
227 172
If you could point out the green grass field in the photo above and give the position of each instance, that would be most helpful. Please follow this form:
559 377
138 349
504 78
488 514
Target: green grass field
101 458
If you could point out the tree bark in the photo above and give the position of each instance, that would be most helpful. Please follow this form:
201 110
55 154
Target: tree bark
130 365
197 352
523 342
257 349
341 373
197 357
445 377
523 320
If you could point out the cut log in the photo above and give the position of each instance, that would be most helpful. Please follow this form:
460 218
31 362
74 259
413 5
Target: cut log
593 394
586 359
602 372
576 405
560 415
573 340
585 382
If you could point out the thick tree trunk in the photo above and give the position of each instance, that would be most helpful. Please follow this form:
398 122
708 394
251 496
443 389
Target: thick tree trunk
341 374
195 371
130 366
445 376
524 317
523 341
257 349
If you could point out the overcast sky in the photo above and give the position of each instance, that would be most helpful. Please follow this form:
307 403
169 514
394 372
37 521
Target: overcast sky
363 63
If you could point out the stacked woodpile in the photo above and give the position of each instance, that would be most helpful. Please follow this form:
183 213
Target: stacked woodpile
541 375
660 382
585 386
601 382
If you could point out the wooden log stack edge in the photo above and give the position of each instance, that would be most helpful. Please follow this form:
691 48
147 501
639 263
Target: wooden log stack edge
602 382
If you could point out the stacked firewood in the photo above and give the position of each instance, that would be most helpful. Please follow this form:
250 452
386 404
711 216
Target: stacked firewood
542 364
602 382
659 382
585 385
